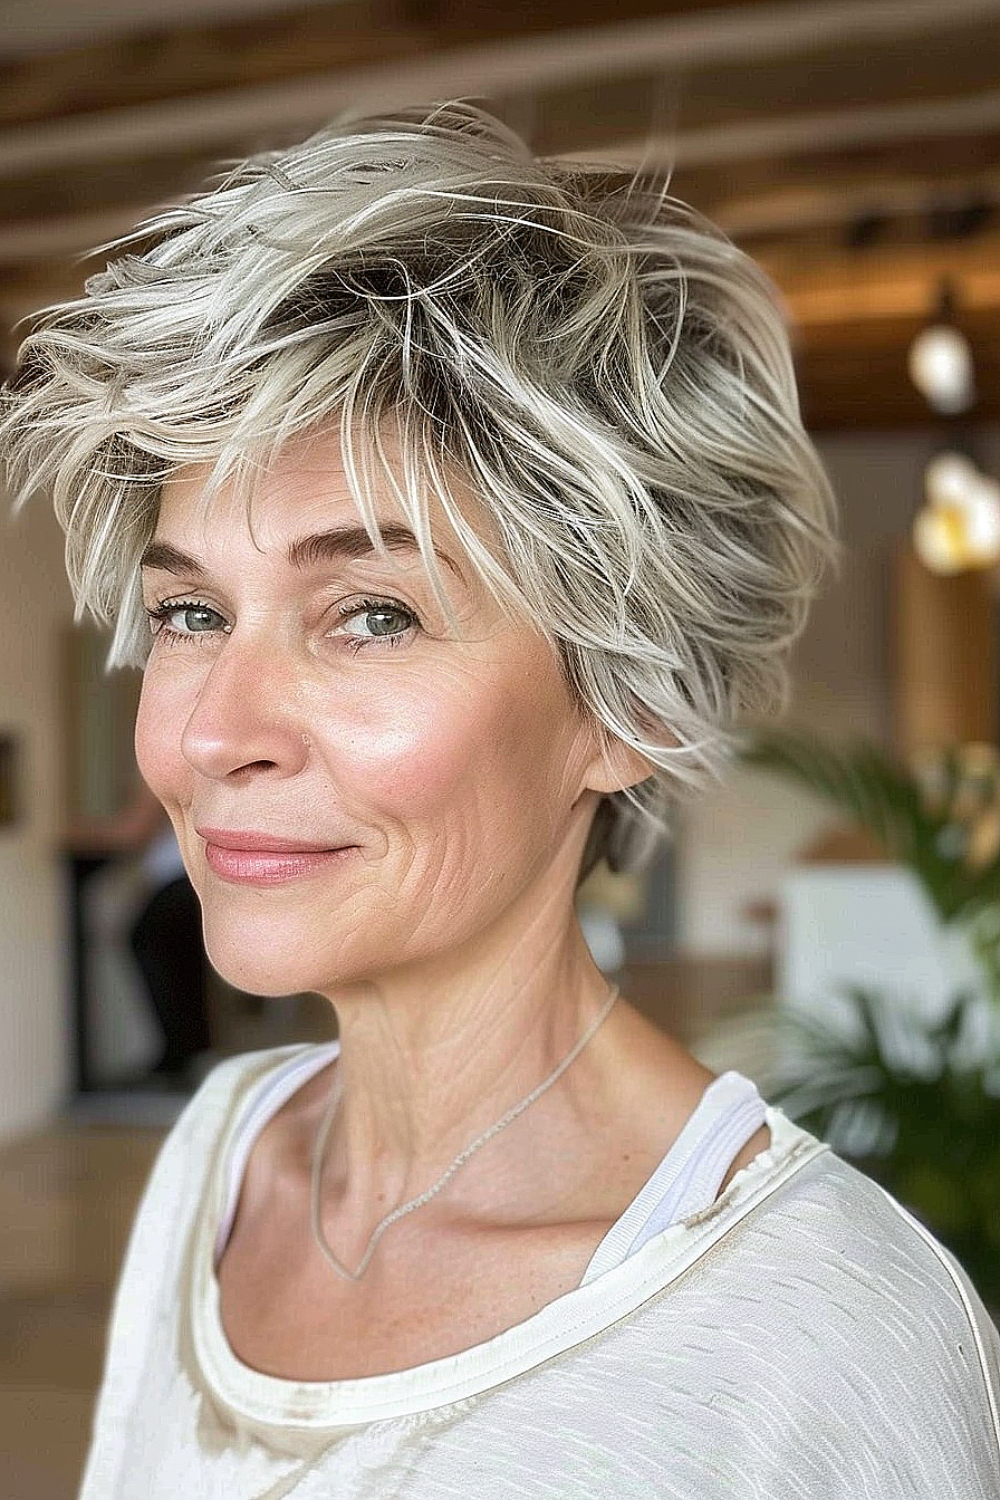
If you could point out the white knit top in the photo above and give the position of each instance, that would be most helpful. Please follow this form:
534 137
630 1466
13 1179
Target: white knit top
800 1338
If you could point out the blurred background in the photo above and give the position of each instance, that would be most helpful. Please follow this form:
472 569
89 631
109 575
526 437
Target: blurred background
828 918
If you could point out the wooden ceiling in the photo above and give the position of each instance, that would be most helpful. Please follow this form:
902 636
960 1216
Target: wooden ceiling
852 146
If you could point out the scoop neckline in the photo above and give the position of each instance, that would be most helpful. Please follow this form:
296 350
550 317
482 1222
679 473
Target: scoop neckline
299 1070
585 1310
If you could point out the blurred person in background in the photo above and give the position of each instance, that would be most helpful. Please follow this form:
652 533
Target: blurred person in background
456 504
164 935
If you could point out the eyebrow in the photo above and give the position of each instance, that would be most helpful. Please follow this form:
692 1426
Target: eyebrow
305 552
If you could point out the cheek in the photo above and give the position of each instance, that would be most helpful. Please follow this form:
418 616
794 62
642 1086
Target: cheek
478 752
412 758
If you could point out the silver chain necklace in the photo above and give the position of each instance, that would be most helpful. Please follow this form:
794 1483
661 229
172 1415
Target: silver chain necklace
322 1136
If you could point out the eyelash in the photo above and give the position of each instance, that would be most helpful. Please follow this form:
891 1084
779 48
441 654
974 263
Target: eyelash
160 613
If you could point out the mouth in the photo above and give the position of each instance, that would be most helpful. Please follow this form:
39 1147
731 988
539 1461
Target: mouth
246 857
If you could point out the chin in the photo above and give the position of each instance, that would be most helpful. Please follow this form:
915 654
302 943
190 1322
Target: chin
262 962
284 942
256 977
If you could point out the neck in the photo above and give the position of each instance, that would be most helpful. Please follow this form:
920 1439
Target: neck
430 1059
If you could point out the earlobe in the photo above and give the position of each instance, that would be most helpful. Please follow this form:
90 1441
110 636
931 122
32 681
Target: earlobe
616 766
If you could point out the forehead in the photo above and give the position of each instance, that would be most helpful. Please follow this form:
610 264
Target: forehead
307 490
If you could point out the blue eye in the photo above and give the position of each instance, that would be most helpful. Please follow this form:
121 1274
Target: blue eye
384 620
197 619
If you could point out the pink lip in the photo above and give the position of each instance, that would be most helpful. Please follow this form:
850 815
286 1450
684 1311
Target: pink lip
268 867
239 838
250 858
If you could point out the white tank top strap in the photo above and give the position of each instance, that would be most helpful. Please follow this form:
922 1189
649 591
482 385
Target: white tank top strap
688 1179
272 1092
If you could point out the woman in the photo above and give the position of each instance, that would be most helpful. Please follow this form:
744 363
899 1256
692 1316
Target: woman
468 503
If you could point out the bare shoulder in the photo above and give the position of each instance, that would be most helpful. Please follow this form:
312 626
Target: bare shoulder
666 1085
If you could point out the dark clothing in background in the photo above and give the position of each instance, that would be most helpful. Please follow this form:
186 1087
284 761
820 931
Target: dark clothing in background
166 941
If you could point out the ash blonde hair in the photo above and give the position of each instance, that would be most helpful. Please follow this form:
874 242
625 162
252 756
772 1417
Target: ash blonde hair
606 370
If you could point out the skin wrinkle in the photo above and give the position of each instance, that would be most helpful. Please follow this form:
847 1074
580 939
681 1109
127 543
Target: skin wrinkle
467 775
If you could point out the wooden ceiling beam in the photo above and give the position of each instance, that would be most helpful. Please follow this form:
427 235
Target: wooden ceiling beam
908 296
833 168
179 61
787 122
822 181
801 273
387 50
855 376
797 211
805 132
830 80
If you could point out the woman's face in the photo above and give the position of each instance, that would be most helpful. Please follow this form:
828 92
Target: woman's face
300 689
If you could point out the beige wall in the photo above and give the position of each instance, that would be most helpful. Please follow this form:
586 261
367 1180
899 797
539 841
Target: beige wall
34 607
735 841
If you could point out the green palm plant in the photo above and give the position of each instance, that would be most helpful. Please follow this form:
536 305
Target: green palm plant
922 1118
941 819
904 1098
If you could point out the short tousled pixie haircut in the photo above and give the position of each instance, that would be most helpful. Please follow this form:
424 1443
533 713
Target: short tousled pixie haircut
608 373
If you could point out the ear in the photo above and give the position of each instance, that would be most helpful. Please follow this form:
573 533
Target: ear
615 765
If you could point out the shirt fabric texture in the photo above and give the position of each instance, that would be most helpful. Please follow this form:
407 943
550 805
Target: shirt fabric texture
801 1338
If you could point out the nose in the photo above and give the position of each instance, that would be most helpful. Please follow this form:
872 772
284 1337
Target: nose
245 717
